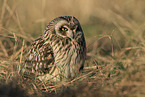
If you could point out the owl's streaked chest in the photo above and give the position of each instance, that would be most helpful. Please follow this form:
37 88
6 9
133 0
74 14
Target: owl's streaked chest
67 57
66 53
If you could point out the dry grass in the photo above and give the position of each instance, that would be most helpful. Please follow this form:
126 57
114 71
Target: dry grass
114 32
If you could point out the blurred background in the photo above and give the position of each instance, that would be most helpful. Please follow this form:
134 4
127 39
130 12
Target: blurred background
114 32
99 18
40 12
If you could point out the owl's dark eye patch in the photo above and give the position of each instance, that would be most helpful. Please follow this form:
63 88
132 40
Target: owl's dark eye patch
63 28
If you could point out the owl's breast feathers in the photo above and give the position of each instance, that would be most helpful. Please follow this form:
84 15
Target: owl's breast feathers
69 54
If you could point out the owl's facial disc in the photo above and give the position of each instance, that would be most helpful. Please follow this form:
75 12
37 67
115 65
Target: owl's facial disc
64 29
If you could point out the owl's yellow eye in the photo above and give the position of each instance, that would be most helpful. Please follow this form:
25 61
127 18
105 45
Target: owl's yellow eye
64 29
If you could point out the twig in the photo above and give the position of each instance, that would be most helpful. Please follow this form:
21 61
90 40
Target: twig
3 48
22 51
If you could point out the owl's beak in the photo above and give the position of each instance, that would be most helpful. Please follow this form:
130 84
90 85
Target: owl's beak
73 29
71 34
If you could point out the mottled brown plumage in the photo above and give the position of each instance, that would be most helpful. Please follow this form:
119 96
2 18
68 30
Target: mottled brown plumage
60 52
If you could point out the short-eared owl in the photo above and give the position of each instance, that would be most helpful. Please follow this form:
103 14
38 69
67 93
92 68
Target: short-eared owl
60 52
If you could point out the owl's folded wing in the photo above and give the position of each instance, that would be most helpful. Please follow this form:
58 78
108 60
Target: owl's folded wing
40 58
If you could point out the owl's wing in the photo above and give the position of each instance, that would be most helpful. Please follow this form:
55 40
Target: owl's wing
40 58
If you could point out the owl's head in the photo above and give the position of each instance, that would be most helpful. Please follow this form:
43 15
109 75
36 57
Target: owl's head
65 26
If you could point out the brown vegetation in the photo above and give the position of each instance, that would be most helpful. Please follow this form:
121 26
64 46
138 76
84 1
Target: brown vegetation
114 32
